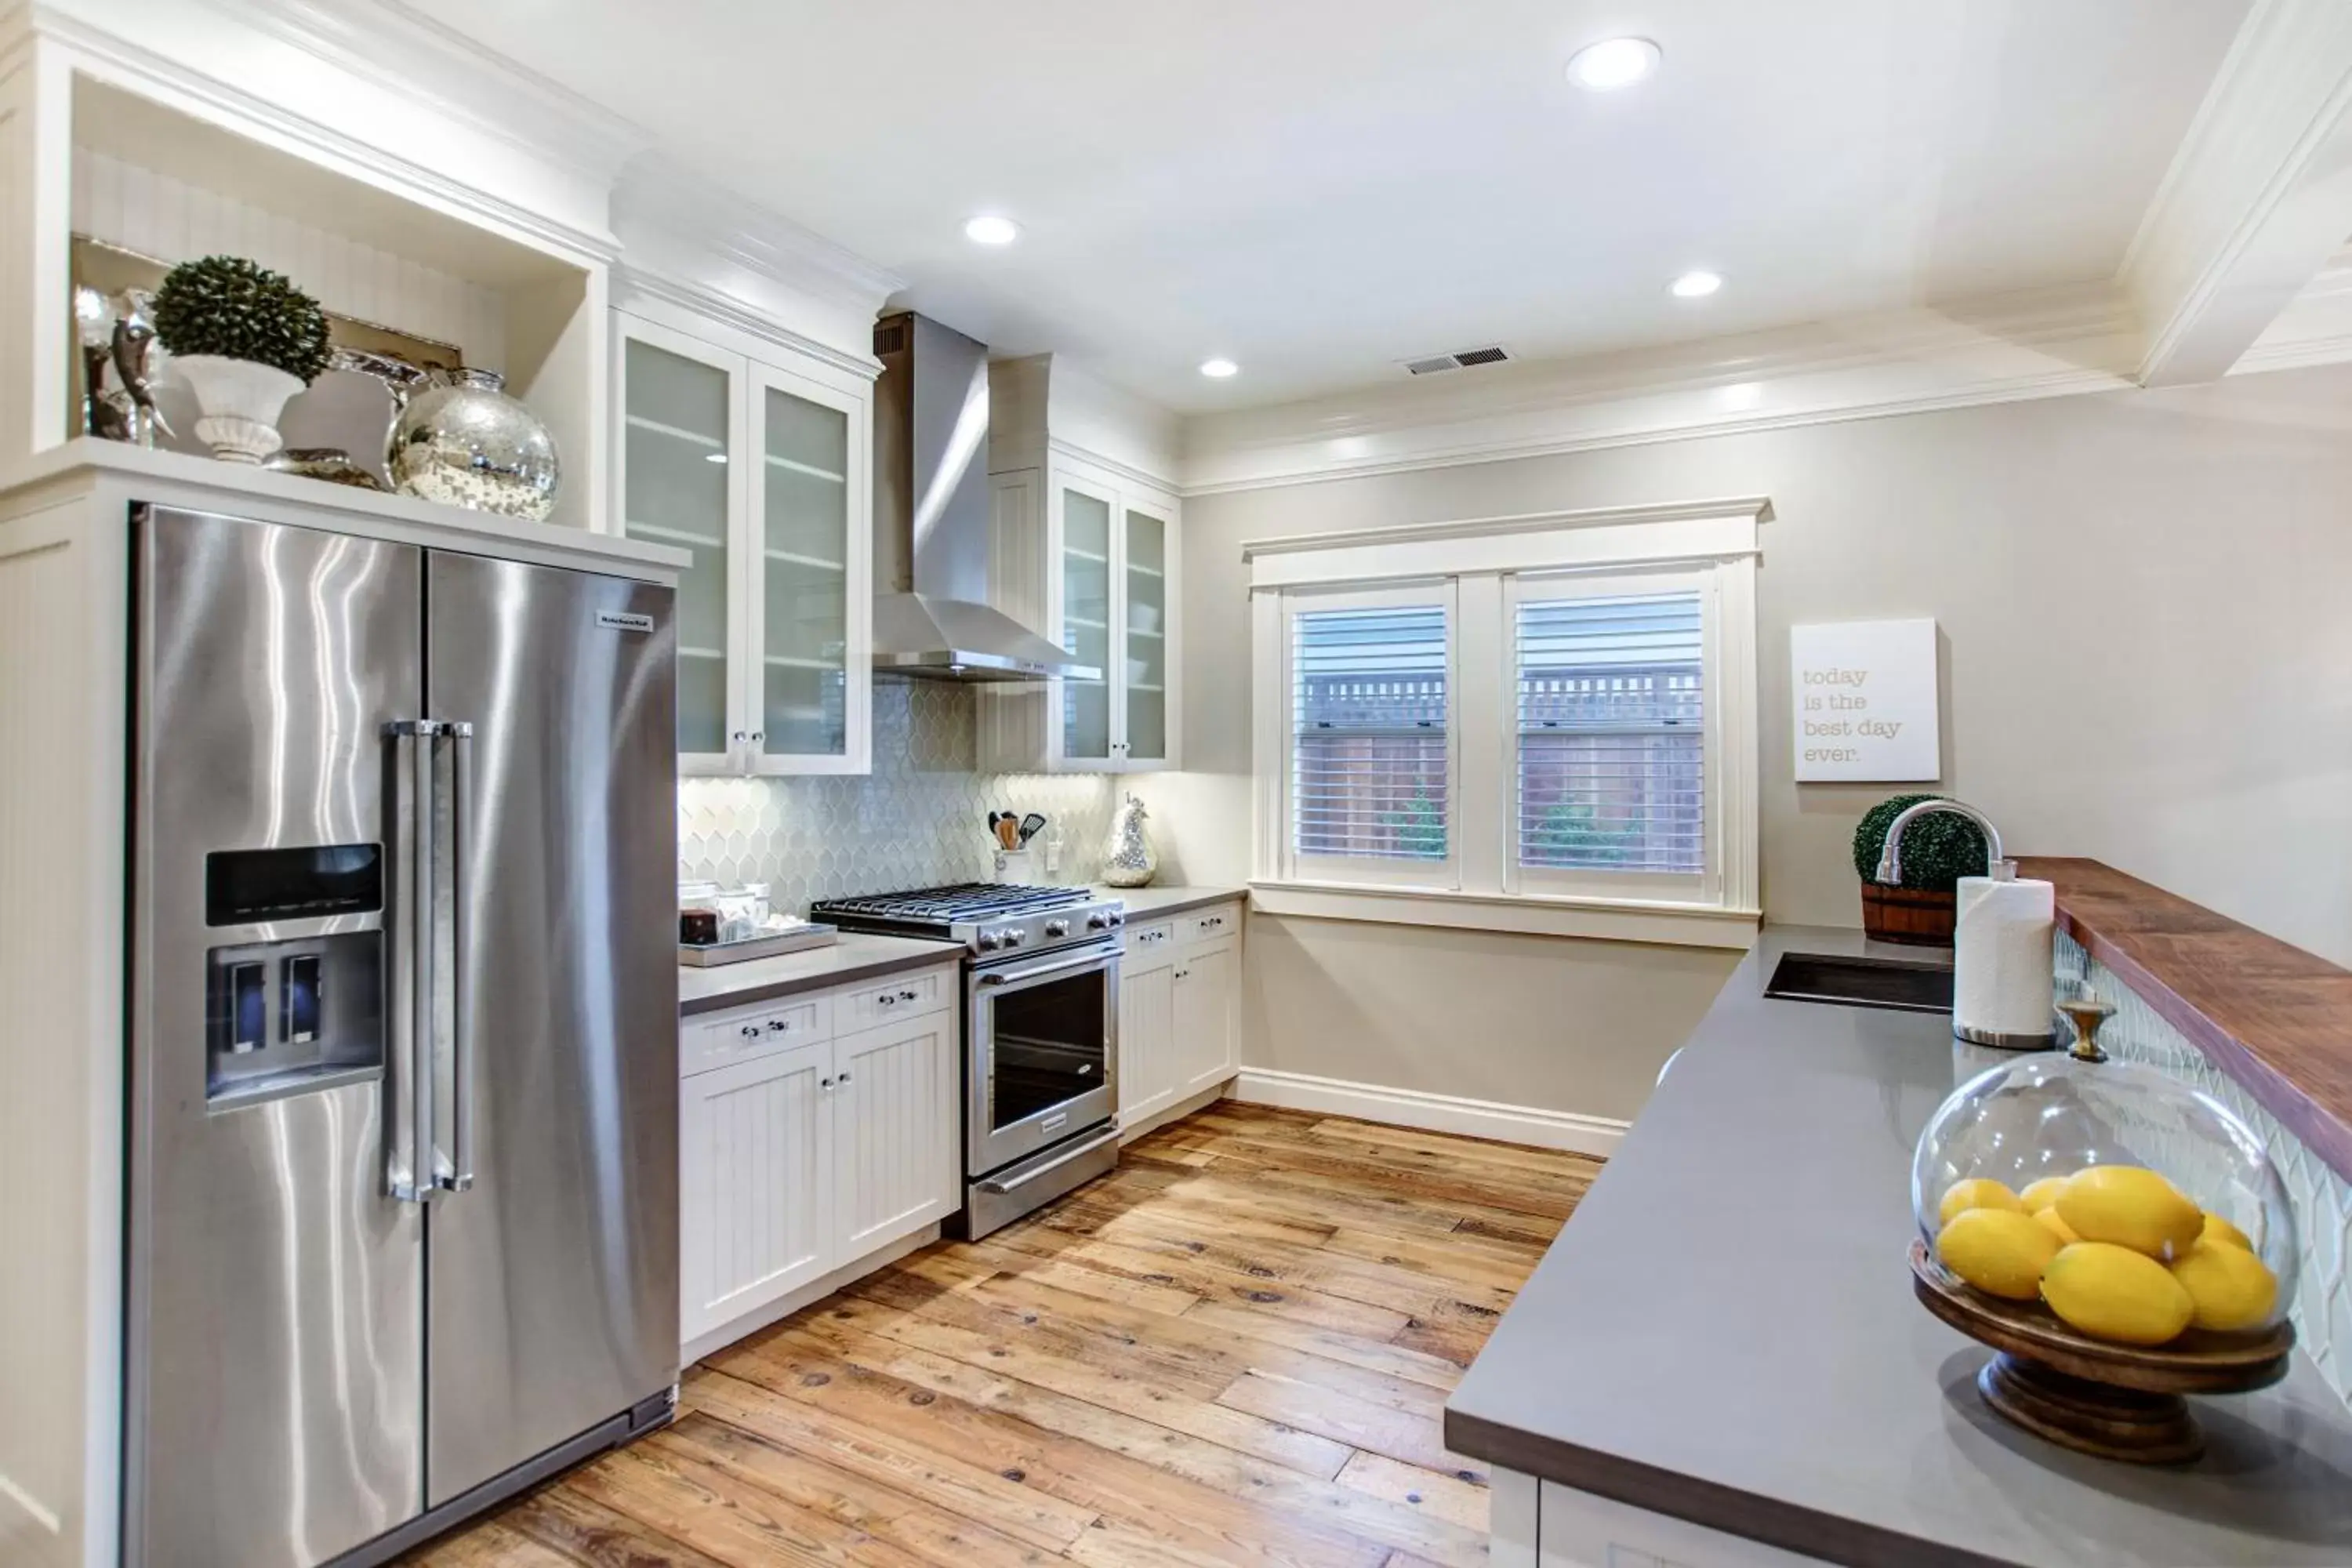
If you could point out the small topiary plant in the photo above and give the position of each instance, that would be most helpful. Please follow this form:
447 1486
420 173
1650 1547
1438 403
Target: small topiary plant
1939 848
236 309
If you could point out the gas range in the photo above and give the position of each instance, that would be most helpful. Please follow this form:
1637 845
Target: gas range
992 919
1040 1033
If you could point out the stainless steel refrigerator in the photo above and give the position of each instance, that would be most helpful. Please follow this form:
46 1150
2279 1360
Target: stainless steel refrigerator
404 1083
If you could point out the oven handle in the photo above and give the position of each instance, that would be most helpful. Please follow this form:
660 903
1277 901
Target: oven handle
1023 1180
1019 976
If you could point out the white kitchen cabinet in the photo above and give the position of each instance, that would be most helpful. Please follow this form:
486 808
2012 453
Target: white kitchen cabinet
755 1174
762 470
804 1155
1208 997
1147 1023
1178 1010
896 1132
1090 559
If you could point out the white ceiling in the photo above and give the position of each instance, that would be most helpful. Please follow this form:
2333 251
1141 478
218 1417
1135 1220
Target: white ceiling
1320 188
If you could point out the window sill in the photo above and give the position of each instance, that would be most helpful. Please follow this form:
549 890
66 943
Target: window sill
1604 920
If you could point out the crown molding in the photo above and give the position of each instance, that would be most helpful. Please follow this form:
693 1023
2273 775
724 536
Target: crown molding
656 191
139 66
2256 199
2038 344
457 77
1755 510
707 302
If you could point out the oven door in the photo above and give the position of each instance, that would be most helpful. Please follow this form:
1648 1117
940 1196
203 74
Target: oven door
1044 1053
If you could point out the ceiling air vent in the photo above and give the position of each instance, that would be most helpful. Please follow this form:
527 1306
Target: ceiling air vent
1493 353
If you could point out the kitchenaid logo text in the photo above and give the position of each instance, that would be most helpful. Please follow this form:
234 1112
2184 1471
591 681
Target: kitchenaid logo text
616 620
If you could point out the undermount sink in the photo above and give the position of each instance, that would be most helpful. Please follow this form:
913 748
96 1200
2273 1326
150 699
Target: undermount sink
1862 982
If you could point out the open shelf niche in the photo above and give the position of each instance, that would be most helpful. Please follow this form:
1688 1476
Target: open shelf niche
152 185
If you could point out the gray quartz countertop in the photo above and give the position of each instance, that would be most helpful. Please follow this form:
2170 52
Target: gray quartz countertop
1144 903
855 957
1725 1332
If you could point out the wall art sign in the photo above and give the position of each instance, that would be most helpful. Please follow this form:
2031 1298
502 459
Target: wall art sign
1864 699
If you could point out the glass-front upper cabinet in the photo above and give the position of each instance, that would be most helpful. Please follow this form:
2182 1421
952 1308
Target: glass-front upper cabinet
1143 634
1086 624
1089 556
761 472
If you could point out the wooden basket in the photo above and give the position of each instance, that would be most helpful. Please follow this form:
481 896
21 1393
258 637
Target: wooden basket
1914 916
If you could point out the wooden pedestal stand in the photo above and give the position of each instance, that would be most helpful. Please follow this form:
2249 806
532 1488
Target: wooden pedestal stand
2118 1402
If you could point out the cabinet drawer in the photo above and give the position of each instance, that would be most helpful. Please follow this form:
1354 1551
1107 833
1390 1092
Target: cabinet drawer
1211 924
905 995
1149 943
748 1033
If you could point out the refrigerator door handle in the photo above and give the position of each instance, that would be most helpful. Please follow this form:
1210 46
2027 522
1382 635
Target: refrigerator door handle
463 1111
415 1183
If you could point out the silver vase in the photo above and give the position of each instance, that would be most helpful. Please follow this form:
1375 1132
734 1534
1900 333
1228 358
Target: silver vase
1128 858
463 442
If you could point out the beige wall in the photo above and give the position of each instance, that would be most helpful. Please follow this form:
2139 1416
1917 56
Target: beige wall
2147 605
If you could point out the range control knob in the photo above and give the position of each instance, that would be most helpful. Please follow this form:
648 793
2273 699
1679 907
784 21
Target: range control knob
1012 936
1098 921
1119 917
1058 927
988 941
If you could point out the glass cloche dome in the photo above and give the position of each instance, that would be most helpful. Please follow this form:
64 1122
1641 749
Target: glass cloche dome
2035 1124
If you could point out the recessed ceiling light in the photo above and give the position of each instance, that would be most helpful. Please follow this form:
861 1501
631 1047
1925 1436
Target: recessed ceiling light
1613 63
1219 368
1695 285
989 229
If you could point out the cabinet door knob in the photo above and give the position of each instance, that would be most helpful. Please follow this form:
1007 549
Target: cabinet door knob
780 1026
751 1031
757 735
843 1081
884 999
908 996
824 1083
742 734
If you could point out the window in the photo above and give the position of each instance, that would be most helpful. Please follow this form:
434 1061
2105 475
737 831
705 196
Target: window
1371 771
1512 726
1611 765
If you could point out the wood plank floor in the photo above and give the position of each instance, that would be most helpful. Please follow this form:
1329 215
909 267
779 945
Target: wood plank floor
1233 1349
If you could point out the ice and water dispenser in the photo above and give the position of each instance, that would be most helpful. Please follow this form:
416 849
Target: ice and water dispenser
286 1016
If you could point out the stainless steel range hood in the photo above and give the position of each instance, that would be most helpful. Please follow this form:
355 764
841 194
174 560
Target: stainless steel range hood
931 618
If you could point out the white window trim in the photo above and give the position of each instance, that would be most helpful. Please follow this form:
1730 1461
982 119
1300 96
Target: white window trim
1484 558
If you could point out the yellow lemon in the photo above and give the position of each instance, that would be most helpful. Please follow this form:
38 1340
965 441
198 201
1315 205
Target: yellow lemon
1997 1250
2112 1292
2220 1230
2051 1220
2130 1207
1976 1192
2038 1197
2228 1284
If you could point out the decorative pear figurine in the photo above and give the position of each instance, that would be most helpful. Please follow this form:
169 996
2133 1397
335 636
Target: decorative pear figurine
1128 858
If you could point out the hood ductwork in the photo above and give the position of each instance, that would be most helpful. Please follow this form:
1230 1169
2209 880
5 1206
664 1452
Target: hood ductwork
931 522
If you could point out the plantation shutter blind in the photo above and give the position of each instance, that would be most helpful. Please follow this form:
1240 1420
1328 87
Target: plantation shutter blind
1369 761
1611 733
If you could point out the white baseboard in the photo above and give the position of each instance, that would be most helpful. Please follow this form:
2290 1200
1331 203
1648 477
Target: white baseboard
816 1290
1432 1112
1174 1111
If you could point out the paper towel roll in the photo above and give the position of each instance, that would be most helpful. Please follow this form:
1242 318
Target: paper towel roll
2002 968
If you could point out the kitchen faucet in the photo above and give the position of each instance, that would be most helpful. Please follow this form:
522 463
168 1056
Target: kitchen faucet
1890 859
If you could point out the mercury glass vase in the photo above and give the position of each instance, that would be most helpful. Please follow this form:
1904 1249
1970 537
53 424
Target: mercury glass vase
463 442
1128 858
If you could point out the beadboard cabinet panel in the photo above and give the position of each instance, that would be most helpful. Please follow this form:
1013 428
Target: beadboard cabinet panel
756 1183
894 1107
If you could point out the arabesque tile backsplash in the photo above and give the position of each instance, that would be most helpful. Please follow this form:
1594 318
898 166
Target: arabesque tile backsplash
918 820
2321 1198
